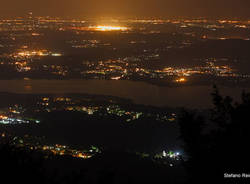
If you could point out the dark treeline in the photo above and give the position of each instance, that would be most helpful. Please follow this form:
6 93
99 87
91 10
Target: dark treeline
217 145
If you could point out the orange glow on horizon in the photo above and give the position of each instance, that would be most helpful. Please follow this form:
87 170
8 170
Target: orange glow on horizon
109 28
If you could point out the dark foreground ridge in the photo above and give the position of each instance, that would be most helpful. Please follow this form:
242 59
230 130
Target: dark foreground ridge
110 167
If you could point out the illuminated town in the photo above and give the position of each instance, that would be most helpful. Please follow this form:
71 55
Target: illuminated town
24 113
147 63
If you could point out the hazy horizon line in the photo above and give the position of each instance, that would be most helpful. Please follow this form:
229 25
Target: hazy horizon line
88 16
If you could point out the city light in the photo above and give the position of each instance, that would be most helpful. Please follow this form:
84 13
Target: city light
109 28
181 80
115 78
36 53
3 117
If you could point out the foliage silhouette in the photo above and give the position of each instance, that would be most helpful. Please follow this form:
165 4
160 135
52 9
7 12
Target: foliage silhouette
217 145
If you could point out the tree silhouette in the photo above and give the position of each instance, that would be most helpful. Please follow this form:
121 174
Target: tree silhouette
217 145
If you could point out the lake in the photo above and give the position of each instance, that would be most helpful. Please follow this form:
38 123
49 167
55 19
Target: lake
139 92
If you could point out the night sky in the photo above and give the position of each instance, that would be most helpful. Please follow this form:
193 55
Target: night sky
127 8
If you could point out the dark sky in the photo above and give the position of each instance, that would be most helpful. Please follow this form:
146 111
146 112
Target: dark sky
214 8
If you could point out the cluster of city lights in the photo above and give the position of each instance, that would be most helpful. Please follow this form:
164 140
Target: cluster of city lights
108 28
181 80
171 154
12 120
37 53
